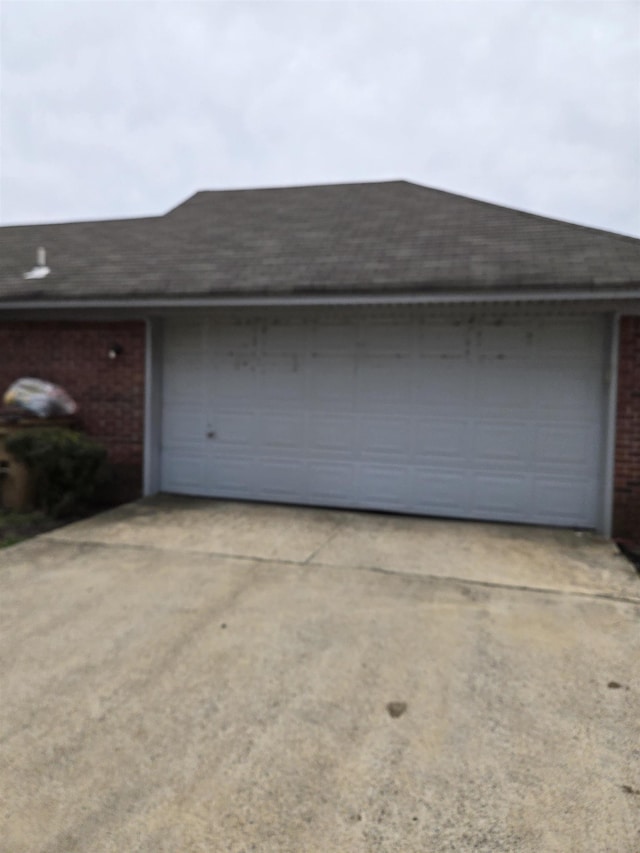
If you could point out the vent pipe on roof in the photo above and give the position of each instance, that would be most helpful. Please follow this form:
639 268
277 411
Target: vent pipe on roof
41 269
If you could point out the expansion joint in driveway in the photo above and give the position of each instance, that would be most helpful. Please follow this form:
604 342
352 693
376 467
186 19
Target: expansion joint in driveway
308 563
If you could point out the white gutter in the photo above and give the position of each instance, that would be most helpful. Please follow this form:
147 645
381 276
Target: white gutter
297 299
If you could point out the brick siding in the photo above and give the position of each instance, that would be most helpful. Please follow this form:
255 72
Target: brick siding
626 503
109 393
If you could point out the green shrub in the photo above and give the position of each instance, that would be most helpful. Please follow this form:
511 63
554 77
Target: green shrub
68 467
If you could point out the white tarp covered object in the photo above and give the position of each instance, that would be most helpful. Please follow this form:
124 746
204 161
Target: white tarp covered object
40 398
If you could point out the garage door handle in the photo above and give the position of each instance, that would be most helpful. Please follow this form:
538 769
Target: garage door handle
211 434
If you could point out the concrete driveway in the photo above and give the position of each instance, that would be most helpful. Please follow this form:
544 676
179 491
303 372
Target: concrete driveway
192 675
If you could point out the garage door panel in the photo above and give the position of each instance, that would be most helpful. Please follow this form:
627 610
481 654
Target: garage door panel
443 387
282 431
501 390
332 434
183 425
436 491
331 383
569 446
183 472
386 339
444 340
333 339
454 416
229 476
569 342
502 444
239 339
283 479
234 429
382 382
231 379
282 379
441 440
384 486
331 481
567 390
184 336
185 385
380 436
504 342
505 495
563 500
280 339
189 358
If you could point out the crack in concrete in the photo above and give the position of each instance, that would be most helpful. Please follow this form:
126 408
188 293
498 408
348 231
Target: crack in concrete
337 529
576 593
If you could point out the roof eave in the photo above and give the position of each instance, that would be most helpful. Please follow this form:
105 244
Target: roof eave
630 292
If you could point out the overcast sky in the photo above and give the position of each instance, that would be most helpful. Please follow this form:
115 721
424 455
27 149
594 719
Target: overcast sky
116 109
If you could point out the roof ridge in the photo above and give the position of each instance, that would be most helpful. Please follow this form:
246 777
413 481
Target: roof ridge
414 185
410 185
288 188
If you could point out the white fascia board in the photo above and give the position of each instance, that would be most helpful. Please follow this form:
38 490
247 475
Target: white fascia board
351 299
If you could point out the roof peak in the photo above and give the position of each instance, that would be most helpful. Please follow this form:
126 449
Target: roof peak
399 182
274 188
413 189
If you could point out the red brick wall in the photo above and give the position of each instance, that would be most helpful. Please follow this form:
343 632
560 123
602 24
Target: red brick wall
626 503
109 393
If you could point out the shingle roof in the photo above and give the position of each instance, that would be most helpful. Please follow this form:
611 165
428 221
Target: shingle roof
375 238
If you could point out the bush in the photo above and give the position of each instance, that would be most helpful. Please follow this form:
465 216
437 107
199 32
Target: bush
68 467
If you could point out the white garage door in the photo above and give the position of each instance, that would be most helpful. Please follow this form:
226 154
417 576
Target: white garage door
474 418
